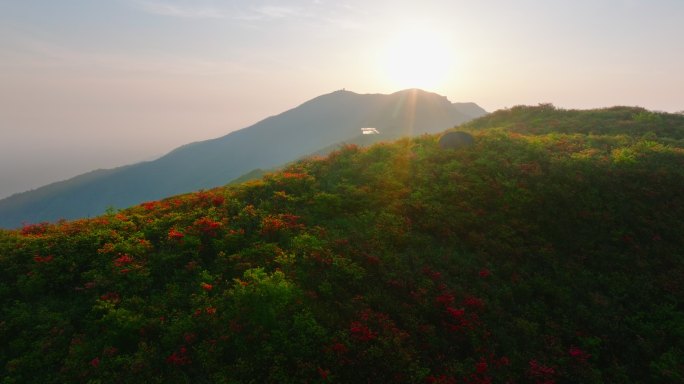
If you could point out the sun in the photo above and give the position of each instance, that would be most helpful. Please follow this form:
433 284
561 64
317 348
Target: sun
416 59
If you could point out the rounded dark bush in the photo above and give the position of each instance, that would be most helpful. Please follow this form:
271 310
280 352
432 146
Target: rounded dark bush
456 140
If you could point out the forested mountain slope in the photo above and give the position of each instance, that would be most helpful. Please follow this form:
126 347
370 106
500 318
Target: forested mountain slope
526 258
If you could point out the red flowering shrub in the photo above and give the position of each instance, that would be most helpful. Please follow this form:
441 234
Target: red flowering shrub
175 235
150 205
123 261
271 225
339 348
207 287
324 373
43 259
473 302
294 175
189 337
578 354
113 297
218 201
361 331
179 358
34 229
208 226
432 274
456 313
445 299
540 373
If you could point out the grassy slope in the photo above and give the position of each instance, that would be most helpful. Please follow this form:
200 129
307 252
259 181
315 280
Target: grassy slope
530 257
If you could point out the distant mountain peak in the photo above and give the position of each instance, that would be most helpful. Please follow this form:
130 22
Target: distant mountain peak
414 90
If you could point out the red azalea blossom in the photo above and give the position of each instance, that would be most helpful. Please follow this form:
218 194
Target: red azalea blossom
207 287
473 302
179 358
210 310
208 226
374 260
218 200
445 298
361 331
149 205
434 275
189 337
294 175
271 225
339 348
485 273
123 260
324 373
481 367
106 248
579 354
34 229
456 313
95 362
145 243
290 219
41 259
175 235
541 373
111 296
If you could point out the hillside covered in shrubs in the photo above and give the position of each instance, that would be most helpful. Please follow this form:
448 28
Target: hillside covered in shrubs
551 251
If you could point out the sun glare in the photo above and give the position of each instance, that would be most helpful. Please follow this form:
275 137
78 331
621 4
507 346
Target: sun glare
416 59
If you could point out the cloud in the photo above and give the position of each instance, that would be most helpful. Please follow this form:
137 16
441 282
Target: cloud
181 11
341 16
29 53
262 12
278 12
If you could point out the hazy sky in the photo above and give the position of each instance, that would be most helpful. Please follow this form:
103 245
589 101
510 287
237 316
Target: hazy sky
88 84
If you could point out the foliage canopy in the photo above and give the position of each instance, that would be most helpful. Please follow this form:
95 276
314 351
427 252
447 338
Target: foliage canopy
544 253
